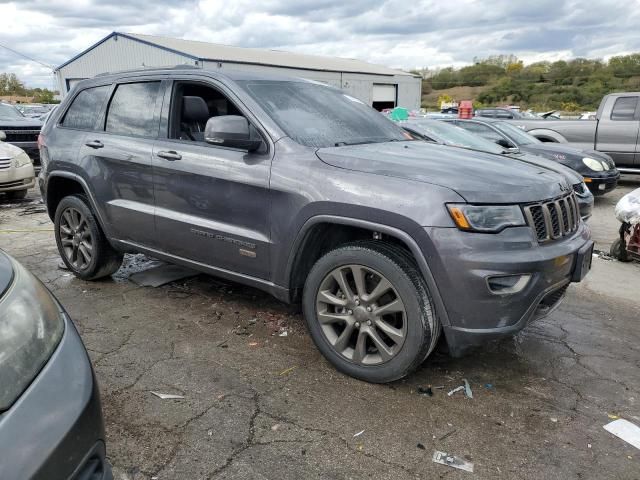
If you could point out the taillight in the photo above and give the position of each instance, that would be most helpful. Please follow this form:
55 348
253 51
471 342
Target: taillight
40 140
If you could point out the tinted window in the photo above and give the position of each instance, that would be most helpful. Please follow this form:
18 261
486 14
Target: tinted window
503 114
131 111
516 134
624 108
480 129
449 134
485 113
318 116
9 113
85 108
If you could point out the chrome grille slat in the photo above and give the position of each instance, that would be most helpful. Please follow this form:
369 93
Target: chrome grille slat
5 163
553 219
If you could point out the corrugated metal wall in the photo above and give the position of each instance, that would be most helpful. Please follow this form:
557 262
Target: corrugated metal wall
124 54
115 54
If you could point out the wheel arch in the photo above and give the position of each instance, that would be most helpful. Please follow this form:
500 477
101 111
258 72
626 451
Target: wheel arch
61 184
547 135
311 243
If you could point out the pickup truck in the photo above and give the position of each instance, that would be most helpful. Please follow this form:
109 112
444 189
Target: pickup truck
614 131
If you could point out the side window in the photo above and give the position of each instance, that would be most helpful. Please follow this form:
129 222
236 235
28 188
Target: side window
192 105
85 108
131 110
481 130
624 108
503 114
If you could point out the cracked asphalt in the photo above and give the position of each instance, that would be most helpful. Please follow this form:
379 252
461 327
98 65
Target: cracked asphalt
258 405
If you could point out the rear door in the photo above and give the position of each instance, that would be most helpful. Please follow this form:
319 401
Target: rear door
117 157
212 202
618 128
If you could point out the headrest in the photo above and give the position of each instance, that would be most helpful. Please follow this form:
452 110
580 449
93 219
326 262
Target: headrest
194 109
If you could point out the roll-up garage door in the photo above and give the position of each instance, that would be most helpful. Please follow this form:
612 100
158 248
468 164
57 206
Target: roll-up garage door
383 96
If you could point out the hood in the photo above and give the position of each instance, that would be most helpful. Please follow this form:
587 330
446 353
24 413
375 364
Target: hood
20 122
570 174
478 177
9 151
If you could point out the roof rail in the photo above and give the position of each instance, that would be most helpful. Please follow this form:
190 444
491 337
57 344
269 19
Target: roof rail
145 68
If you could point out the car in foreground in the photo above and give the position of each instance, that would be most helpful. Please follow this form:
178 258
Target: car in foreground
17 175
51 423
20 131
446 133
598 170
299 189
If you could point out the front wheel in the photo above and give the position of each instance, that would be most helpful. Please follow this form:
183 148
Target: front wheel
81 242
618 251
369 312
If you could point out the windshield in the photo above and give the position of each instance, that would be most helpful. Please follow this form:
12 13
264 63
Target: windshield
517 135
318 116
451 135
8 112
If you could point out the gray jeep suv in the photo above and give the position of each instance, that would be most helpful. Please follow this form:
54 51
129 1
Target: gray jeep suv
301 190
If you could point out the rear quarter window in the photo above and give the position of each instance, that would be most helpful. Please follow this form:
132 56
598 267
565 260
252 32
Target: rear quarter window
85 108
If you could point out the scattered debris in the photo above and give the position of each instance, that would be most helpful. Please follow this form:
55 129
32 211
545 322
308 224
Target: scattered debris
288 370
253 344
602 255
161 275
554 420
210 433
457 389
167 396
221 396
360 448
613 416
624 429
425 391
223 344
452 461
284 333
467 389
274 428
489 386
421 446
358 434
448 434
588 445
62 265
439 387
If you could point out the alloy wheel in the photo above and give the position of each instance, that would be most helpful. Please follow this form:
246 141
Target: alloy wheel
76 238
361 315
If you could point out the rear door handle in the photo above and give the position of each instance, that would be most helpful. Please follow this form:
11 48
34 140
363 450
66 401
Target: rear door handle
169 155
95 144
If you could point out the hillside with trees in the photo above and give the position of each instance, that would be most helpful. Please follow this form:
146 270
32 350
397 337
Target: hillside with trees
572 85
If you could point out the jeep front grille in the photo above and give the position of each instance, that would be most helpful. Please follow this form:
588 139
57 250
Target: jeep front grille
553 219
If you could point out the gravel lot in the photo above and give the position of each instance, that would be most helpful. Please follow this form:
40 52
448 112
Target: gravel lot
260 405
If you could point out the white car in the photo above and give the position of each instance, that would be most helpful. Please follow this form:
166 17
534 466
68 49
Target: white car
17 175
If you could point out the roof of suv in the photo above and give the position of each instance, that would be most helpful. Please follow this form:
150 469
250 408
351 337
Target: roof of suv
190 70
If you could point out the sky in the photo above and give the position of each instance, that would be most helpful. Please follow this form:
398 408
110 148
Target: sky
403 34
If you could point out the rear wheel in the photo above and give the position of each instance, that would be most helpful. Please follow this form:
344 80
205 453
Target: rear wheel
81 243
369 311
17 194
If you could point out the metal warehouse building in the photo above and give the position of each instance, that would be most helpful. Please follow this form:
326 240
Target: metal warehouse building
375 85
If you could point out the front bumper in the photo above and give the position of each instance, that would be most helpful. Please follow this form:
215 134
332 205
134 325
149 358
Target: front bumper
462 263
600 184
21 178
55 429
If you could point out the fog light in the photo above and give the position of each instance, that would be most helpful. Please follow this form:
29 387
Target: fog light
508 284
602 186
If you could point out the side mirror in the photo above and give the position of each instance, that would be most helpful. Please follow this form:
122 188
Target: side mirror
3 136
232 131
505 143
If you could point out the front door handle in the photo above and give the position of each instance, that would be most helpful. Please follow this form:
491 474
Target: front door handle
169 155
95 144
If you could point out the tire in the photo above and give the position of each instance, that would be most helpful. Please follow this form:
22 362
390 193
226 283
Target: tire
77 230
336 322
17 194
618 251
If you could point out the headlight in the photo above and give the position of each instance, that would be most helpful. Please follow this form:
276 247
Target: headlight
486 218
21 160
594 164
31 326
